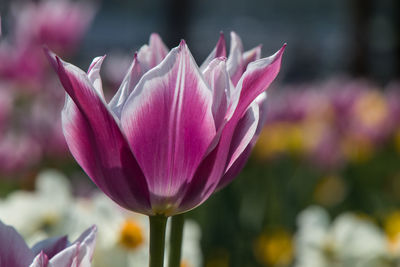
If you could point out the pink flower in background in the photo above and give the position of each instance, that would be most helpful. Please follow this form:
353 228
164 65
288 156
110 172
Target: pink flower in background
58 24
55 252
14 149
173 133
6 101
29 106
337 121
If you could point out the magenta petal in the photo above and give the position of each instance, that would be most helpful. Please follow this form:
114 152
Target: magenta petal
135 72
218 79
218 51
235 59
97 143
41 260
51 246
235 166
244 133
13 249
256 79
169 125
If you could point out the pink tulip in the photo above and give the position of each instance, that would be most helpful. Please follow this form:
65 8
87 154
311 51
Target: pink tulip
60 24
54 252
173 133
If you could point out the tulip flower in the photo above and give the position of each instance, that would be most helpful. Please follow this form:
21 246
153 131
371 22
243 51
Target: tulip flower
173 133
54 252
165 141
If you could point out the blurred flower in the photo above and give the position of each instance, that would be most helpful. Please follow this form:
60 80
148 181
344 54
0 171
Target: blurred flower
29 105
47 253
392 230
279 138
274 248
36 214
349 241
6 101
330 190
172 134
14 149
334 122
357 148
60 24
122 238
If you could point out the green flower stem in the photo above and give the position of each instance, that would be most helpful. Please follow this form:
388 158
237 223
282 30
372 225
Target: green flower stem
157 240
174 259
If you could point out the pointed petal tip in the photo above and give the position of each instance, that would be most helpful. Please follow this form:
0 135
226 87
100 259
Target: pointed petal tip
280 51
154 35
50 55
182 44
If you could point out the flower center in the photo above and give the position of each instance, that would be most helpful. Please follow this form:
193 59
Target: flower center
131 235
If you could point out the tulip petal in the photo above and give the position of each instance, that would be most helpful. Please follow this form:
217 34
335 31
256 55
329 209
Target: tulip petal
80 253
13 249
237 165
41 260
244 133
135 72
258 76
51 246
235 60
96 141
88 238
94 74
158 48
169 124
256 79
151 55
218 79
218 51
251 55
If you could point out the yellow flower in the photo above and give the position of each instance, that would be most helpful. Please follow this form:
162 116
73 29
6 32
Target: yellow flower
392 230
279 138
357 148
274 248
131 234
330 190
371 109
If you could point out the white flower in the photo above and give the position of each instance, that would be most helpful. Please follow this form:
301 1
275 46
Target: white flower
350 241
122 238
35 214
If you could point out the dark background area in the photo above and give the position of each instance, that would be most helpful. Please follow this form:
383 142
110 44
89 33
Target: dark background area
325 38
